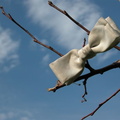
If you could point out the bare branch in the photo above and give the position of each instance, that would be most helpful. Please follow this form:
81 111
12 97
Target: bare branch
117 47
100 105
34 39
65 13
87 65
85 93
84 42
77 23
92 73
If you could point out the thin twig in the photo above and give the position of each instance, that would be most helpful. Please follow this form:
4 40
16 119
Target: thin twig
84 42
100 105
88 66
34 39
77 23
90 74
100 71
58 85
65 13
117 47
85 92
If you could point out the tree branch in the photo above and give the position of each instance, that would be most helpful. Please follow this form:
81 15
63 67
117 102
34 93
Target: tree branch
65 13
92 73
34 39
87 65
117 47
100 105
100 71
85 92
77 23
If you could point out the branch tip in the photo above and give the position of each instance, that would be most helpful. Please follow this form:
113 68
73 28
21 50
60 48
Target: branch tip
65 13
1 7
50 3
52 89
118 61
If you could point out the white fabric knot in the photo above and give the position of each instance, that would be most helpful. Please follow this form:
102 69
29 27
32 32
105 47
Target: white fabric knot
104 36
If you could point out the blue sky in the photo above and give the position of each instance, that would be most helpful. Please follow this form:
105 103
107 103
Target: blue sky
24 65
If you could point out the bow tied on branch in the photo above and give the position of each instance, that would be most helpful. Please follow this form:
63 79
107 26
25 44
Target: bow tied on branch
68 68
104 36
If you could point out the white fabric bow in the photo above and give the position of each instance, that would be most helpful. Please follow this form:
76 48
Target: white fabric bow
104 36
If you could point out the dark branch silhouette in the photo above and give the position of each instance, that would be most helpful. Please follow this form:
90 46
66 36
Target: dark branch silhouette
101 104
65 13
34 39
117 47
90 74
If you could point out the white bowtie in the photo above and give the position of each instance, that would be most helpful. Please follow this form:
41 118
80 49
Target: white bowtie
104 36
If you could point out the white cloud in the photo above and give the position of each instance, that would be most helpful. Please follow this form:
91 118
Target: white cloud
8 50
46 58
24 118
5 116
11 114
104 56
64 31
18 114
2 116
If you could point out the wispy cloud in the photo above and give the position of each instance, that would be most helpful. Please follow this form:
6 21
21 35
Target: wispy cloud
2 116
64 31
21 115
104 56
24 118
46 59
6 116
8 50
